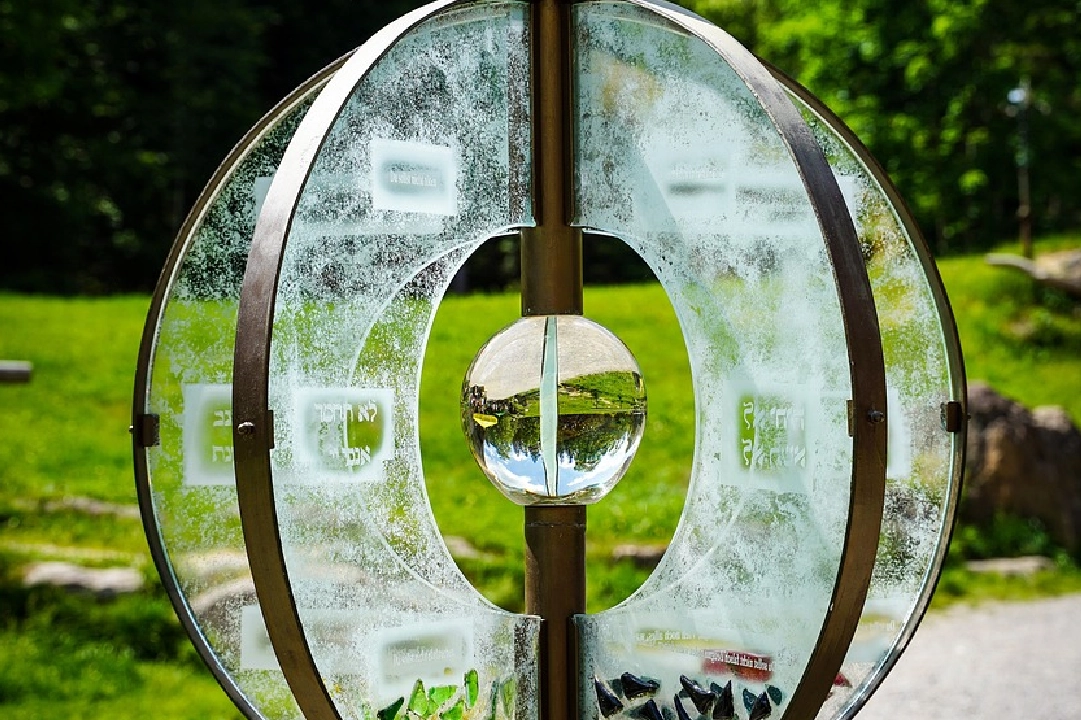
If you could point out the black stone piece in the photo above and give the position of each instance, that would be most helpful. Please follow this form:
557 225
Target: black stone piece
761 708
607 700
636 687
748 699
775 694
725 709
681 712
650 711
703 699
390 711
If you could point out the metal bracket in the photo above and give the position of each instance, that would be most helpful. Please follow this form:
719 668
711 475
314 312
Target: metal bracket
146 430
953 419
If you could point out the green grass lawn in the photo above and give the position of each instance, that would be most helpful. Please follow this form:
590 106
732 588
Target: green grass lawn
1023 340
65 435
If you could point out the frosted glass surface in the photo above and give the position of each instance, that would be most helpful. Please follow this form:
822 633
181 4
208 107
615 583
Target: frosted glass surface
922 456
424 163
677 158
191 471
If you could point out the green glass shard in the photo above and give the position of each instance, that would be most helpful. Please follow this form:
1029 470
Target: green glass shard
439 695
418 700
472 688
454 712
506 693
493 709
391 711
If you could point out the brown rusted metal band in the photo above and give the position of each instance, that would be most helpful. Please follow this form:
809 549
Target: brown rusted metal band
555 589
552 251
552 285
551 271
958 402
142 379
866 363
251 369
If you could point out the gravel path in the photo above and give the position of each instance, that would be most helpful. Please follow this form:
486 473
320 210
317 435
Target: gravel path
994 661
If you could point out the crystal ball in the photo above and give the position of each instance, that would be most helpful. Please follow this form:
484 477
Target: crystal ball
554 408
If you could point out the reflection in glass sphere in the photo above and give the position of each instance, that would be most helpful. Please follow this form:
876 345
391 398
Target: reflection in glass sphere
554 408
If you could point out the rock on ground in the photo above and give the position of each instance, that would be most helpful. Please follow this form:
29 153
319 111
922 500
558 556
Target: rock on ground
1027 464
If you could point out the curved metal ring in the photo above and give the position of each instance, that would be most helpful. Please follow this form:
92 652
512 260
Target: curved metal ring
251 368
147 346
865 355
954 359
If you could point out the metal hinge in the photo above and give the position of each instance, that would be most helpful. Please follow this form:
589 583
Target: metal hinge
146 430
952 416
873 416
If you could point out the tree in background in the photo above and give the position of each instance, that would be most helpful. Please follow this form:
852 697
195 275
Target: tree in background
925 84
112 116
114 113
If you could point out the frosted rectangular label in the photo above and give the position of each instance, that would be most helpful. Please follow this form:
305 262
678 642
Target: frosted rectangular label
413 177
878 627
715 657
772 433
331 634
435 653
899 437
696 644
207 434
346 430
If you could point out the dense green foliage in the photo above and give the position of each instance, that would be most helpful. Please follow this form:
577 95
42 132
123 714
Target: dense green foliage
114 113
925 85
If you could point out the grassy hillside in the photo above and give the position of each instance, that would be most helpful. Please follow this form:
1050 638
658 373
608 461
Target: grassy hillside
65 437
1023 340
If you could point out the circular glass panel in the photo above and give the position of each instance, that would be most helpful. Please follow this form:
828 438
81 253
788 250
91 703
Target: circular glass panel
923 373
678 157
421 160
185 474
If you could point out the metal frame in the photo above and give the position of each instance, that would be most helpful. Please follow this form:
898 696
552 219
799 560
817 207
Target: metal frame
252 431
866 362
148 344
954 359
555 536
253 435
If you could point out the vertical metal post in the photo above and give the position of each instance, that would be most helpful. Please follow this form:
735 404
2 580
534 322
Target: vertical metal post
552 251
552 285
555 589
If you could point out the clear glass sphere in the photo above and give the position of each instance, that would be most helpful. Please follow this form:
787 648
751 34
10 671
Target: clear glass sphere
554 408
